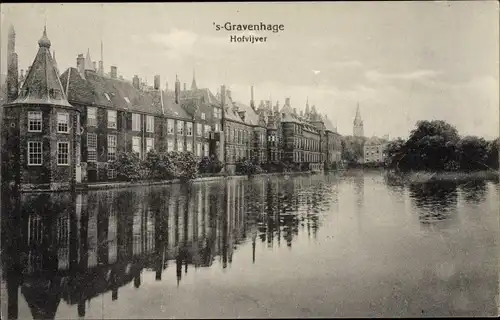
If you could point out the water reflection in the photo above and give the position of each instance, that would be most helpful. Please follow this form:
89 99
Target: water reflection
436 201
71 248
474 191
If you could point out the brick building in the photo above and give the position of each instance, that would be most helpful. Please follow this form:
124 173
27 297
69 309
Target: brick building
40 130
96 114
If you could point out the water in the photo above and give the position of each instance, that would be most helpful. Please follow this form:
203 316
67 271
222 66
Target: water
325 246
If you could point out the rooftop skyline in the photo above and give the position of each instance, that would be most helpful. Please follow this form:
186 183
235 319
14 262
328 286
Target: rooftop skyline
402 62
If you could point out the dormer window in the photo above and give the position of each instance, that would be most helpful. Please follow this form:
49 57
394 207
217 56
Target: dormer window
107 96
55 93
126 99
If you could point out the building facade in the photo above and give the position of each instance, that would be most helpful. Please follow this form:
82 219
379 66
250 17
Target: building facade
71 126
374 150
41 130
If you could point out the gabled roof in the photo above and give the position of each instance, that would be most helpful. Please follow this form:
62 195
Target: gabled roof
94 89
204 94
251 117
329 125
42 84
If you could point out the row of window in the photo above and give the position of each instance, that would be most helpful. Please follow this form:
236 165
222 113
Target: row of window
137 147
306 144
35 153
306 157
35 123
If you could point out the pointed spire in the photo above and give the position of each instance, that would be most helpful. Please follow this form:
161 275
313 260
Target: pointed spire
193 84
42 84
44 40
88 62
55 61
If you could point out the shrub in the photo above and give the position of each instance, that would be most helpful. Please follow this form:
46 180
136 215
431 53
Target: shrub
185 165
159 165
247 167
210 165
128 166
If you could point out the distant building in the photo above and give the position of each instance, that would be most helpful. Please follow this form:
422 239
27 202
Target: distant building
358 130
374 150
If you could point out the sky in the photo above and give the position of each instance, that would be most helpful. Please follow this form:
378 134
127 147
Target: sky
400 61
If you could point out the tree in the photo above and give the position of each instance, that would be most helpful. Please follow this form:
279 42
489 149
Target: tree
394 153
431 146
472 153
493 153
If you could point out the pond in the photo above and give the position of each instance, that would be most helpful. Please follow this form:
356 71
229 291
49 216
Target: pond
356 244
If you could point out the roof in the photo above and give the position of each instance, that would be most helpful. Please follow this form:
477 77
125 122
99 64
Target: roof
95 89
329 125
374 141
251 117
204 94
42 84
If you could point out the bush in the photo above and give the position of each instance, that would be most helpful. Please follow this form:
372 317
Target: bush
128 166
247 167
159 166
185 165
210 165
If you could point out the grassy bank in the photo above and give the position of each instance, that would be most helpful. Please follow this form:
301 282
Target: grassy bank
425 176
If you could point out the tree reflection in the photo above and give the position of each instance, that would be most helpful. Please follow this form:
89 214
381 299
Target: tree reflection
437 201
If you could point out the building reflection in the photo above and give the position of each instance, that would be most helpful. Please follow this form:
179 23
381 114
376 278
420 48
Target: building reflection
71 248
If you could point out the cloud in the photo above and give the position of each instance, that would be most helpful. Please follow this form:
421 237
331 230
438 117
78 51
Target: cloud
417 75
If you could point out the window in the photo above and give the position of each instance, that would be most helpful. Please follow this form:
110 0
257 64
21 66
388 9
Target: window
136 122
189 128
107 96
91 147
111 147
216 127
136 146
180 127
189 146
112 119
170 145
203 115
180 145
91 116
207 130
199 129
150 144
170 126
62 153
198 149
217 112
205 152
62 122
150 124
34 153
35 121
127 100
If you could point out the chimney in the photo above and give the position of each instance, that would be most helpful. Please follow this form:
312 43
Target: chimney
114 72
80 63
301 113
252 103
184 86
287 101
136 82
157 82
95 65
28 70
177 89
22 75
101 68
229 93
223 95
294 110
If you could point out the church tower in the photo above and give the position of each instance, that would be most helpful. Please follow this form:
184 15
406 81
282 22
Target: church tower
193 84
358 130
